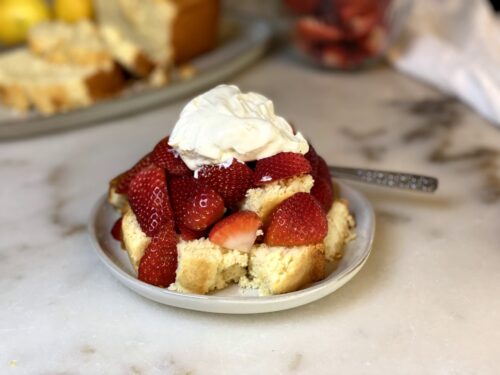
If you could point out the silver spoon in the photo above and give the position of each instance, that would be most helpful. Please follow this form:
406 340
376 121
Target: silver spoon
406 181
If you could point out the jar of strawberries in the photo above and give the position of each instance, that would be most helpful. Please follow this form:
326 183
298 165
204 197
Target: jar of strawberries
347 34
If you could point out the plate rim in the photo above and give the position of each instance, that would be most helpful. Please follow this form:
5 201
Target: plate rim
317 290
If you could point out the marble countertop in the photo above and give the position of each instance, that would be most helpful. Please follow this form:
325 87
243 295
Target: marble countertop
426 302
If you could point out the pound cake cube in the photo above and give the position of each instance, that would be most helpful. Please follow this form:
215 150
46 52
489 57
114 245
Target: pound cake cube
134 239
263 200
279 269
340 230
204 266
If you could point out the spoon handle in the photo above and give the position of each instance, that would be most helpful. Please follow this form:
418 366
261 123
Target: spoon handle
406 181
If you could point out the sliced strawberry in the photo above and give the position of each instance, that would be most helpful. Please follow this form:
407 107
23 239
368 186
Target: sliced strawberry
166 157
237 231
231 182
159 263
322 190
313 159
311 30
322 171
280 166
303 6
298 220
148 197
123 180
116 231
181 188
188 234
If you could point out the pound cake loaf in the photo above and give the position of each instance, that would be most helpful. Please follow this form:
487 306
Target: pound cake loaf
232 196
28 81
147 36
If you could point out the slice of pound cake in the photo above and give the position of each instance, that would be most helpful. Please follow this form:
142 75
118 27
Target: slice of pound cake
28 81
200 213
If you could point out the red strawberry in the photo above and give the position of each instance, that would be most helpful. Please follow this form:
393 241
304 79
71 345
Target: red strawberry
148 197
313 159
167 158
123 180
237 231
280 166
188 234
303 6
311 30
159 263
230 182
322 190
322 170
195 206
298 220
116 231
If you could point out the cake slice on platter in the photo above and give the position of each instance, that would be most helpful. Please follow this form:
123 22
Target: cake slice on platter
233 196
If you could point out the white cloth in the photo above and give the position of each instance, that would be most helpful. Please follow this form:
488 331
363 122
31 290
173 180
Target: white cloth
455 45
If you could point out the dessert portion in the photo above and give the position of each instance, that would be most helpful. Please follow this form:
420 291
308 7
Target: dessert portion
233 195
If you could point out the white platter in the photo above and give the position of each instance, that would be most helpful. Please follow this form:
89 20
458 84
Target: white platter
242 40
235 300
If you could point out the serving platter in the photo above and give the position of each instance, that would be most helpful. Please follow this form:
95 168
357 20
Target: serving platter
236 300
242 40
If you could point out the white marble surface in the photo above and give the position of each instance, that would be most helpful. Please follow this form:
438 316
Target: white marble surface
427 301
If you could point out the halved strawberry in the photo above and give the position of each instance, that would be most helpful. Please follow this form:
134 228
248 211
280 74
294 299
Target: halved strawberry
195 206
231 182
322 170
188 234
298 220
148 197
322 190
166 157
303 6
159 263
312 30
237 231
116 231
313 159
122 181
280 166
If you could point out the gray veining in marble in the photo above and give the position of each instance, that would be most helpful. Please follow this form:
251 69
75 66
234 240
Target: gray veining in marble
425 303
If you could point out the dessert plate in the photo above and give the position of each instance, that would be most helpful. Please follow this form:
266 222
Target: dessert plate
235 300
242 40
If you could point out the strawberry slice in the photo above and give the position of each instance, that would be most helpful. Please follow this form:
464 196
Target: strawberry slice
116 231
322 190
322 171
311 30
159 263
313 159
237 231
303 6
298 220
166 157
280 166
148 197
122 181
188 234
231 182
195 206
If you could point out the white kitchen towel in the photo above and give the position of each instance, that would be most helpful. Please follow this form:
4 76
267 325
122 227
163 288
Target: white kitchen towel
455 45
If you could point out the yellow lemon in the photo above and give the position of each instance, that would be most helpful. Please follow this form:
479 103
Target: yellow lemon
17 16
73 10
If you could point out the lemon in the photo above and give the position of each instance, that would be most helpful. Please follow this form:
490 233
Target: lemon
17 16
73 10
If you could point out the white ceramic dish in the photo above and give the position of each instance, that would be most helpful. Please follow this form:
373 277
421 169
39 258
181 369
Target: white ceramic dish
235 300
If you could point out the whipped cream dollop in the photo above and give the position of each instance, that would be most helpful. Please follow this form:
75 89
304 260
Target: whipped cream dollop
225 123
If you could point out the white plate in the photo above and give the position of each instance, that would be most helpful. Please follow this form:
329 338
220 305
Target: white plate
242 40
235 300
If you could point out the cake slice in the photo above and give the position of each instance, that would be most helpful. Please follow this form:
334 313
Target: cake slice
204 266
147 36
29 81
340 230
74 44
283 269
134 239
264 199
